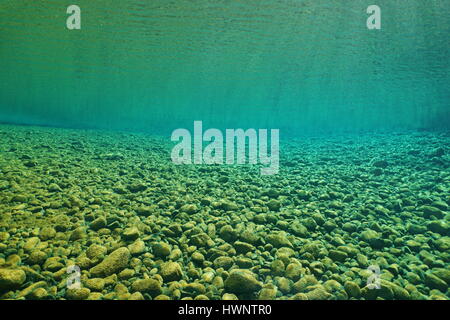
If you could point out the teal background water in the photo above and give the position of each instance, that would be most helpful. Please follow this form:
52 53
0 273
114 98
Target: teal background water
301 66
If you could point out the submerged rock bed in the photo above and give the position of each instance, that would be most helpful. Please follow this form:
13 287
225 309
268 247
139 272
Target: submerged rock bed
140 227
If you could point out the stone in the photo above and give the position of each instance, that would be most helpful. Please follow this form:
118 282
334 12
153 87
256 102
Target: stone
434 282
373 238
98 223
268 293
31 243
189 208
113 263
442 273
137 248
131 234
429 211
274 205
223 262
242 281
299 230
171 271
96 251
337 255
229 296
39 294
198 257
37 257
161 249
352 289
318 294
228 234
77 294
305 282
195 288
243 247
95 284
278 240
439 226
11 279
77 234
150 286
47 233
136 296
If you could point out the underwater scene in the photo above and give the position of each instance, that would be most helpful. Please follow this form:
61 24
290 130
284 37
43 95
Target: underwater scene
224 150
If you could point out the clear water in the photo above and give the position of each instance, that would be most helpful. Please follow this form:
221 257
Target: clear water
86 177
301 66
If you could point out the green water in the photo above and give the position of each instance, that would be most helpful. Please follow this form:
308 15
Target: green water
360 194
301 66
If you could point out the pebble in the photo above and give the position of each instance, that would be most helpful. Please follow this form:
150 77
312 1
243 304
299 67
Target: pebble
113 263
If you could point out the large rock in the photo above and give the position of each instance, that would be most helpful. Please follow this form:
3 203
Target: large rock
150 286
242 281
171 271
113 263
373 238
11 279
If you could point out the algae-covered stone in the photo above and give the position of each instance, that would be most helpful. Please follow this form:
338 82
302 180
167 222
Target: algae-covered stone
373 238
439 226
171 271
96 251
274 205
299 230
161 249
337 255
227 233
201 240
47 233
39 294
318 294
95 284
195 288
279 240
37 257
434 282
113 263
198 257
430 211
268 293
98 223
243 247
352 289
136 296
31 243
242 281
11 279
294 271
77 234
189 208
131 234
137 247
443 244
305 282
223 262
150 286
443 274
77 294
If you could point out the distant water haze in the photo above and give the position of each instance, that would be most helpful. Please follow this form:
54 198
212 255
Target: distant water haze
299 66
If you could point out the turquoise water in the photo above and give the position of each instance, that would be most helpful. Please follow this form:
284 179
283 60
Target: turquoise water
356 206
301 66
